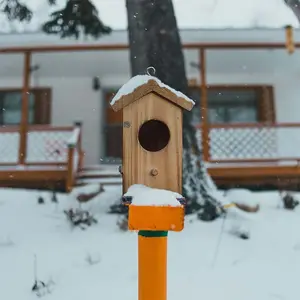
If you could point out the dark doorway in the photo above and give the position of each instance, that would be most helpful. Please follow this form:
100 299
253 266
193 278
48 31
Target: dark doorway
154 135
113 129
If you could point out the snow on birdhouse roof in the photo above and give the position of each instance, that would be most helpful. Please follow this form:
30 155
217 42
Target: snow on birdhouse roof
141 85
206 14
143 195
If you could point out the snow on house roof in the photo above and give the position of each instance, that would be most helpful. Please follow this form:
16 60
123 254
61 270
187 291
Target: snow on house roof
206 14
145 196
156 85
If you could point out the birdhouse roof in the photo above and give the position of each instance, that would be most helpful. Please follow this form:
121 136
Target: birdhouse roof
141 85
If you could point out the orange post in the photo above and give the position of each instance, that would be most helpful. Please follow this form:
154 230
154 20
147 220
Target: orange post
156 218
152 260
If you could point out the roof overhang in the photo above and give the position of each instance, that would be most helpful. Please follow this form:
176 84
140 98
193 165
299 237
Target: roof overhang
120 38
243 51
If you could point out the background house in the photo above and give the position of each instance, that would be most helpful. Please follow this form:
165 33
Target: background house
249 76
64 82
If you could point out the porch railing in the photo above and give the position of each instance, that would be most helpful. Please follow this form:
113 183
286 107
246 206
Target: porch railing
250 143
47 147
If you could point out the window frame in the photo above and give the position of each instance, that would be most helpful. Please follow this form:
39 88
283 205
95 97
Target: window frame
43 105
265 107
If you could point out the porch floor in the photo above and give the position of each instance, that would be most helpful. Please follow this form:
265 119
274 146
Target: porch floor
282 174
34 177
33 168
55 176
226 175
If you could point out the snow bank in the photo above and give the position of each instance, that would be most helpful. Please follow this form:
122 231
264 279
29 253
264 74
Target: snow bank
233 212
145 196
92 261
242 196
140 80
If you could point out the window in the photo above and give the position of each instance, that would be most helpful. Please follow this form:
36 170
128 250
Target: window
11 106
235 104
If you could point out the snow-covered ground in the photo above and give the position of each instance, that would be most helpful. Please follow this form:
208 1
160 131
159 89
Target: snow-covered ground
101 262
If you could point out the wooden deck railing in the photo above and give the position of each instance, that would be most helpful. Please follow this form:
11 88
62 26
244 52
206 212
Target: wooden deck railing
251 143
47 146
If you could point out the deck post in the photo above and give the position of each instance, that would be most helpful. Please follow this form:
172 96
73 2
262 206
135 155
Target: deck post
24 108
204 106
70 169
80 152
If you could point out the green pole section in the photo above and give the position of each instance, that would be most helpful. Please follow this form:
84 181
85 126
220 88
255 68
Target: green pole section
147 233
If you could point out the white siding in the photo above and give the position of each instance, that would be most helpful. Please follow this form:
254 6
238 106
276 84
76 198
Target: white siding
74 99
286 91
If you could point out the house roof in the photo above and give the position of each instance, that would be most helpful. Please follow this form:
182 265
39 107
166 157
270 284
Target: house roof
208 14
141 85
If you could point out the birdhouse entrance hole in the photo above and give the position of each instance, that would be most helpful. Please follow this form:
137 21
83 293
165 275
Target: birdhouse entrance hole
154 135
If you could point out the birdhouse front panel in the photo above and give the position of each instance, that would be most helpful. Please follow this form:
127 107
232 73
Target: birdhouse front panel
152 143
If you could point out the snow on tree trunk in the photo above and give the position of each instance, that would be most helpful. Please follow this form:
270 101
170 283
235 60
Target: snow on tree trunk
154 41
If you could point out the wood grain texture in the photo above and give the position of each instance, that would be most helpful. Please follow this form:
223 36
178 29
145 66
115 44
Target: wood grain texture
112 117
24 108
152 87
70 170
137 162
290 45
204 106
114 47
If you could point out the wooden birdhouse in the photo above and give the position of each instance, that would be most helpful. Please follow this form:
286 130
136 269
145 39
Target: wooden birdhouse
152 134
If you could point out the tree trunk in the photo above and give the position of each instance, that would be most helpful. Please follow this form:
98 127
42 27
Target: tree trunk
154 41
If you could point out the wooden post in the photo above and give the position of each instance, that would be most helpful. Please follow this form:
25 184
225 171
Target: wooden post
24 109
79 148
70 169
204 107
289 36
152 156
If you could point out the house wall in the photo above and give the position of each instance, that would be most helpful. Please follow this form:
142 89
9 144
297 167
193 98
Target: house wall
74 99
286 102
286 89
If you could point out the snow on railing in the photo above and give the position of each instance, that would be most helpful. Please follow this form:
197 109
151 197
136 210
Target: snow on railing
73 140
76 160
74 156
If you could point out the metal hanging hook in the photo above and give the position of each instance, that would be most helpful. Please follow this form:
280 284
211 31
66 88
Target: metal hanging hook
149 69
